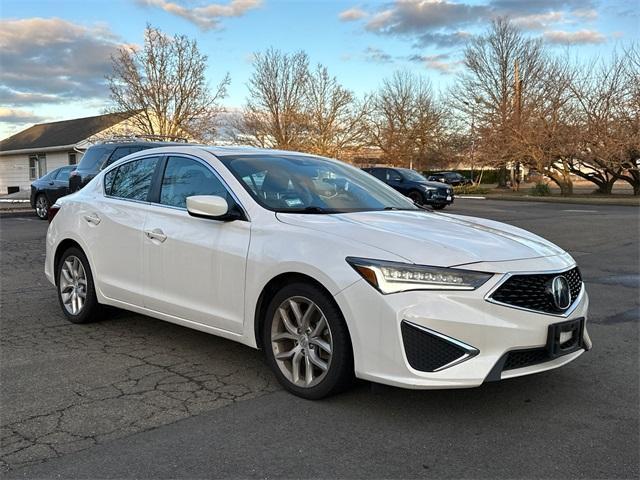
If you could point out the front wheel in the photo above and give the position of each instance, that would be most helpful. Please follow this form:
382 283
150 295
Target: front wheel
307 343
416 197
439 206
42 206
76 292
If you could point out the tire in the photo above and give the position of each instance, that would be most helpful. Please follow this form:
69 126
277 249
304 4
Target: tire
416 197
42 206
71 279
286 342
440 206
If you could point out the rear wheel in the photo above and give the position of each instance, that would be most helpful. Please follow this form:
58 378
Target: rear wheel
76 292
42 206
307 343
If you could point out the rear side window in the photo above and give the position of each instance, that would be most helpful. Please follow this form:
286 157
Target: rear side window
131 180
379 173
184 177
122 152
93 158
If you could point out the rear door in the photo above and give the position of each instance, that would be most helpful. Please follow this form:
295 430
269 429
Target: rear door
194 268
114 228
60 186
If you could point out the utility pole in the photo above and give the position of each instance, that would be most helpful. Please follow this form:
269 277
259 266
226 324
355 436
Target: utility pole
517 100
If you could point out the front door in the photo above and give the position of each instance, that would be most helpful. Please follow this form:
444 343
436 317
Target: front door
194 268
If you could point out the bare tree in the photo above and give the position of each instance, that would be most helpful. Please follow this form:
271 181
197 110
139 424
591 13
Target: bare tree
165 81
546 139
335 120
488 88
406 121
274 114
608 126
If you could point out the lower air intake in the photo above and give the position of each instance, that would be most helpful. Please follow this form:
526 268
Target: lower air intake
428 352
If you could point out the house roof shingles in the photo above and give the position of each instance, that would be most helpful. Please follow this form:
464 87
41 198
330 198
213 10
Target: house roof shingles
66 132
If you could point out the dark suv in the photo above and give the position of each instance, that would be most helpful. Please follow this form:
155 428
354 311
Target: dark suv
415 186
101 155
452 178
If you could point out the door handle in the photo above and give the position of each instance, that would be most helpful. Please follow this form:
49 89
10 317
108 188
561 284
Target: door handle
155 234
93 219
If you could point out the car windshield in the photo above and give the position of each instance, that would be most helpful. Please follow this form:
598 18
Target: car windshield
307 184
412 175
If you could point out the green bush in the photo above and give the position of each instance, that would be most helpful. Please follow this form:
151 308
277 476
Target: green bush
540 190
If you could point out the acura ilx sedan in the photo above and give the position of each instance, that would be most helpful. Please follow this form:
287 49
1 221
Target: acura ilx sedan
331 272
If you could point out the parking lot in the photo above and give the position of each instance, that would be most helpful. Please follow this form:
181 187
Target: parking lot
136 397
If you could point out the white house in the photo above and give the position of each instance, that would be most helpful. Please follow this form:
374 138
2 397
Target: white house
29 154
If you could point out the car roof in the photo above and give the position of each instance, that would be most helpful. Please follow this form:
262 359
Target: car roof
220 150
136 144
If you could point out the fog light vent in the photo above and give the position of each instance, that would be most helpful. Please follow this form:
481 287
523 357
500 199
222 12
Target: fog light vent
429 351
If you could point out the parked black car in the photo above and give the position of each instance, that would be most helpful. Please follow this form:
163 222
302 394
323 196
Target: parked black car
452 178
415 186
49 188
101 155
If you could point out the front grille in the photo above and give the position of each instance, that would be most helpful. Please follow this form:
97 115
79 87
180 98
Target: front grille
427 352
532 291
524 358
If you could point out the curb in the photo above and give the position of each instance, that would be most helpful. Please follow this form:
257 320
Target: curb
630 202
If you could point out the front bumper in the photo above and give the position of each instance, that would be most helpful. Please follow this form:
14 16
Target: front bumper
375 324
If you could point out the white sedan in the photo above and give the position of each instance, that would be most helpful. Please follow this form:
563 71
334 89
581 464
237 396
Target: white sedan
328 270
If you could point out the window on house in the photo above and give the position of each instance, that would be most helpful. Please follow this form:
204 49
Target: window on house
72 158
37 165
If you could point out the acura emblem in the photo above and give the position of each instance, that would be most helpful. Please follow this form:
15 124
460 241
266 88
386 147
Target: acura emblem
561 292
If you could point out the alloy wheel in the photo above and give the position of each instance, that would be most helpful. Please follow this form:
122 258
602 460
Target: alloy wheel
42 206
301 341
73 285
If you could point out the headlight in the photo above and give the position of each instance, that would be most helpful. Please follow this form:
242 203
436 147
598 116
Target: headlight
392 277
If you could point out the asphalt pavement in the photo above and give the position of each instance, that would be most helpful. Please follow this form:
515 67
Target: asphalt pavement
134 397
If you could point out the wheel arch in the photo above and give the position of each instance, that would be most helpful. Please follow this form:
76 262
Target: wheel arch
272 287
63 246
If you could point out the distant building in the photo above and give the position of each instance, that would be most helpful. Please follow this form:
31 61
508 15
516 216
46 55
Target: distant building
29 154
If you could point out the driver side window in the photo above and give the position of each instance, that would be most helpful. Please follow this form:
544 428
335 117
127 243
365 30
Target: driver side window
393 176
184 177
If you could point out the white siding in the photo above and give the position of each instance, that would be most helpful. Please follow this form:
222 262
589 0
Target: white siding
14 169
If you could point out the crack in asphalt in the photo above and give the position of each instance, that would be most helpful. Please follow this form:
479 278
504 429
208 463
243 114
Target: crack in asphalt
68 387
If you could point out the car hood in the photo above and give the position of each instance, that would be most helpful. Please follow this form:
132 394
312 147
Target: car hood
431 238
431 184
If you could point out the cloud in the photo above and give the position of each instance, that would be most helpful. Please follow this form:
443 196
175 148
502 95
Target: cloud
519 7
53 61
374 54
586 13
412 16
9 115
444 23
443 40
436 62
580 37
206 17
352 15
539 21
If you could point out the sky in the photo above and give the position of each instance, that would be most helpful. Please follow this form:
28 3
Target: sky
54 54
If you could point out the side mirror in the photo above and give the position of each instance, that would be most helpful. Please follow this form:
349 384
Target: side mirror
213 207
